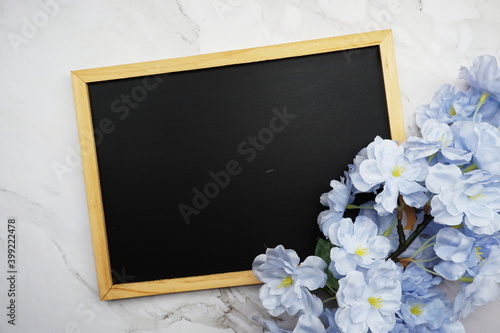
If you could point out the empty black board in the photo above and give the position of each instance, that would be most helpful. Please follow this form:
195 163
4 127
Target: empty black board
161 139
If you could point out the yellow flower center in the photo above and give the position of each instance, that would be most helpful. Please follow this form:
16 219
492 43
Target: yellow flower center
484 96
286 282
477 249
452 111
477 196
398 170
445 143
361 251
417 309
376 302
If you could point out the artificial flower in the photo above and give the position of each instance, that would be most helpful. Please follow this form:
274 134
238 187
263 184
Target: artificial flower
485 110
358 245
462 254
481 252
454 248
386 164
483 140
436 143
400 327
420 313
473 198
448 105
484 75
418 281
287 284
369 301
484 287
337 200
451 104
328 318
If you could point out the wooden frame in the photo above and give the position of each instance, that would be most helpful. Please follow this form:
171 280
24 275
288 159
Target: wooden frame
81 78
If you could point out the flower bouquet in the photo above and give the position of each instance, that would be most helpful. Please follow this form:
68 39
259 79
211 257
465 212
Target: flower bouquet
403 220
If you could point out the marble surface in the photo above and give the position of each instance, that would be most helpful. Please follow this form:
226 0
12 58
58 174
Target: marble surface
42 41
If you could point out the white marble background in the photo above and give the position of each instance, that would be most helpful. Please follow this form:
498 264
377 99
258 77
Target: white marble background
42 41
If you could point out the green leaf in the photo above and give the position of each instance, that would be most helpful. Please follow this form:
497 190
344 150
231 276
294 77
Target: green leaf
323 248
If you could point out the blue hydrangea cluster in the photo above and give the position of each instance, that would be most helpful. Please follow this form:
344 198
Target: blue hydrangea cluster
433 216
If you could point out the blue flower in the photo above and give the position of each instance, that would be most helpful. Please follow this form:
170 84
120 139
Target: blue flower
449 104
483 75
425 307
386 224
473 198
418 281
462 254
309 324
358 245
420 312
286 284
481 252
454 248
488 110
328 318
353 172
484 288
451 326
437 139
483 140
337 200
386 164
369 301
400 327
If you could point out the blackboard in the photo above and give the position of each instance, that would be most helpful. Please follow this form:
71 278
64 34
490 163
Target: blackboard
194 166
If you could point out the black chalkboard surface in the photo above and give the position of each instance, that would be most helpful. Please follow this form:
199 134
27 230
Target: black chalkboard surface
200 170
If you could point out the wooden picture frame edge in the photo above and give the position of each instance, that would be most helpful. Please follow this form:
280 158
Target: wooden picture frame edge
80 81
168 286
392 92
234 57
92 185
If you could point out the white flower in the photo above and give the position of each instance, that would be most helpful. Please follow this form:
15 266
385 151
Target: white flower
484 288
287 284
369 301
386 164
473 198
358 245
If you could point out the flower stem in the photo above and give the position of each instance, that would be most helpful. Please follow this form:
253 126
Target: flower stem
426 260
403 246
358 207
401 232
466 279
330 291
470 168
330 299
389 230
424 246
426 269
